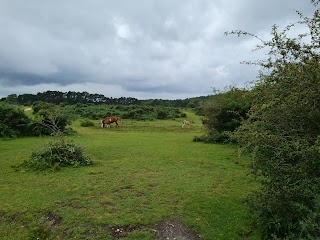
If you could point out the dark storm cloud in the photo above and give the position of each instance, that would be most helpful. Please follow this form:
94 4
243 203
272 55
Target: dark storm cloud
133 48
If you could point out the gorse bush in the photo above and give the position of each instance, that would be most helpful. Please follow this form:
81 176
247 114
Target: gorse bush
56 154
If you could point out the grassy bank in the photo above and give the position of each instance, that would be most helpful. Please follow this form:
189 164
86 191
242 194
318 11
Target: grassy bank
144 173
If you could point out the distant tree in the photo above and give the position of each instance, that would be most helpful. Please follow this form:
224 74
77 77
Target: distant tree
12 98
26 99
72 97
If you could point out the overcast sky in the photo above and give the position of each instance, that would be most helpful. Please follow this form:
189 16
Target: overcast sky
168 49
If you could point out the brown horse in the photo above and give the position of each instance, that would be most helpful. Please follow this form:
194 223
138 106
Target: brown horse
108 120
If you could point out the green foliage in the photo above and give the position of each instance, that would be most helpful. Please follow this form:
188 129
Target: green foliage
86 123
162 114
183 115
61 98
136 112
224 112
50 118
56 154
282 134
13 121
6 131
12 98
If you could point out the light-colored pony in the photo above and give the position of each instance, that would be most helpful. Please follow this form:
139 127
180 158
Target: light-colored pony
187 122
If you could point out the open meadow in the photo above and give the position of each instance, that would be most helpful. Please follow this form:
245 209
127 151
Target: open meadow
146 174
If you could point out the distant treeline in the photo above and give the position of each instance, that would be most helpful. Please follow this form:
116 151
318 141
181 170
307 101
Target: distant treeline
70 97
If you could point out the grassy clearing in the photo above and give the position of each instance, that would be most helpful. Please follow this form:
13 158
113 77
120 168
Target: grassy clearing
144 172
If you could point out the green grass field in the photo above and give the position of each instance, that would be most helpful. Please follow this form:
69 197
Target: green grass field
143 173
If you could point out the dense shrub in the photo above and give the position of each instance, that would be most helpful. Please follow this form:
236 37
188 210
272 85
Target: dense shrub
224 113
282 134
226 110
183 115
13 121
162 114
56 154
86 123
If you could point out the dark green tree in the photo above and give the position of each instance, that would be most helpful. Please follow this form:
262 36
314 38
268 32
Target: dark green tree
12 98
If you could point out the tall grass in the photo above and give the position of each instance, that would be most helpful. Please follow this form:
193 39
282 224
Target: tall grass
144 172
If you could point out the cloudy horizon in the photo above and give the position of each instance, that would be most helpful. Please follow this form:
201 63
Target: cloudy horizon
143 49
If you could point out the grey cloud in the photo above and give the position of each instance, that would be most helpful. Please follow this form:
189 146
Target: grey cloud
141 47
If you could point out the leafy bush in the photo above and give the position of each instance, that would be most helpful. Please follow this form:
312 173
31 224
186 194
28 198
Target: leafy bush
183 115
6 131
50 118
224 113
226 110
13 121
162 114
282 134
86 123
56 154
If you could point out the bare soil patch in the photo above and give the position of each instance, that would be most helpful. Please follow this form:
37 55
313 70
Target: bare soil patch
118 232
173 230
52 219
164 230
